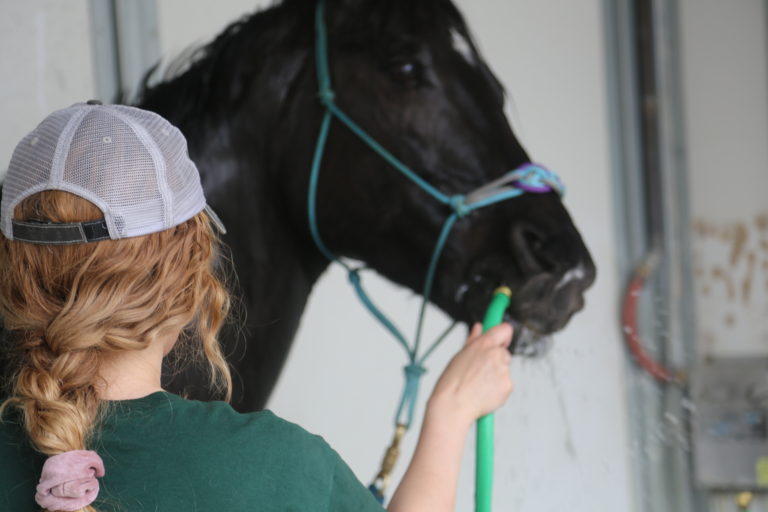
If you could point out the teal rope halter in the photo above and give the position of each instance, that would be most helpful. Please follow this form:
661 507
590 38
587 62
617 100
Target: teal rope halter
528 177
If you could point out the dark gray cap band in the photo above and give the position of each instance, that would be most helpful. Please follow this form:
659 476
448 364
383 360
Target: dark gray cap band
60 234
38 232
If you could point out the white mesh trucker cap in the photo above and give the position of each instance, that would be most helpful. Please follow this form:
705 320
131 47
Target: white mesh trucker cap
131 163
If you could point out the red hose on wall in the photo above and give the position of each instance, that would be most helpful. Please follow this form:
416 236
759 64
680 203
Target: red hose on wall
630 326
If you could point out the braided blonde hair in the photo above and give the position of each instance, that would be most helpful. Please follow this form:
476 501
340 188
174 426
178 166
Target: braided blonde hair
67 307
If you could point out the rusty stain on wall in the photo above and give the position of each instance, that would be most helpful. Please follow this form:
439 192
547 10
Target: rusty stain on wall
718 274
762 222
731 261
746 284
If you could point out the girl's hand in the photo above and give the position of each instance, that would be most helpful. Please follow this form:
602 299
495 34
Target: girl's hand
477 380
475 383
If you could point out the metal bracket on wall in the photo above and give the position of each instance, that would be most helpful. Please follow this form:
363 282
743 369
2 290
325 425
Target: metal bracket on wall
126 43
651 206
730 428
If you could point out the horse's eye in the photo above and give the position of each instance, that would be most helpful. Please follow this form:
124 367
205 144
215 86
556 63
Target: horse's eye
407 72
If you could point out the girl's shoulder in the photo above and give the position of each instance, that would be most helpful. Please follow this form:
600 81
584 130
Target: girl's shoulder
215 425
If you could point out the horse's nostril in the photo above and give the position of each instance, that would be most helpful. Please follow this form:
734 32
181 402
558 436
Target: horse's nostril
529 245
533 240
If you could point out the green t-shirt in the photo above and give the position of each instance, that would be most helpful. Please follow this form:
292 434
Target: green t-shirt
162 453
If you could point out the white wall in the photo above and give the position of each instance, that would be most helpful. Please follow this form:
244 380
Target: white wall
561 439
199 23
726 85
45 64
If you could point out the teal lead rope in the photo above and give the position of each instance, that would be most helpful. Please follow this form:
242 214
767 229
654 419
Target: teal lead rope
526 178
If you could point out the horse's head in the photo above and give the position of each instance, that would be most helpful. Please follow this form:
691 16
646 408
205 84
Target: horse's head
409 74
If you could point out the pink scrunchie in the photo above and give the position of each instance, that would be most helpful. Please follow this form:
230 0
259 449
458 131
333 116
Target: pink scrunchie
69 480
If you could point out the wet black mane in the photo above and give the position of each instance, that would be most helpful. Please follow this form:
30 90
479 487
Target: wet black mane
210 80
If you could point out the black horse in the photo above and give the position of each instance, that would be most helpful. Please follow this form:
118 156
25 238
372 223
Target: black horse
408 72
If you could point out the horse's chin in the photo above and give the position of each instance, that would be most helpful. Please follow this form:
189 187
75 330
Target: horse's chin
528 340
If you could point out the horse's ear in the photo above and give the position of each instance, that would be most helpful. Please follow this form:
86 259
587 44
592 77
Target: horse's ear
348 4
330 5
371 16
356 16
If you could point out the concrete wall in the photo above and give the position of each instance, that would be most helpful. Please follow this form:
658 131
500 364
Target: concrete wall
725 83
45 64
562 438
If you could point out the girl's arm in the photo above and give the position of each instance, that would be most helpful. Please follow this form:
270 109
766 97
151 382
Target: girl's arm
476 382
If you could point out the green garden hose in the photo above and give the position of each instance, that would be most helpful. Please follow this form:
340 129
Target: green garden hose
484 447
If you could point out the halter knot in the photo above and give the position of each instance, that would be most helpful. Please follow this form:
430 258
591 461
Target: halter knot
354 276
327 96
537 179
414 371
458 205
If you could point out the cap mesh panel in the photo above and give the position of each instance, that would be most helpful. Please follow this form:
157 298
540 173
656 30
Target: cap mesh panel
131 163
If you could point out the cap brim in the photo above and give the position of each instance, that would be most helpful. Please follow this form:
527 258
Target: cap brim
215 219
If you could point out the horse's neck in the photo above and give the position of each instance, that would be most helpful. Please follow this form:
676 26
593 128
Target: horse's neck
237 150
253 168
274 261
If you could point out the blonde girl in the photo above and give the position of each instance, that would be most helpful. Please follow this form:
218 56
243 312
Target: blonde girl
108 260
